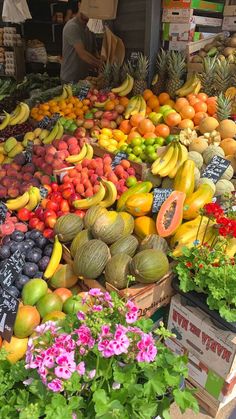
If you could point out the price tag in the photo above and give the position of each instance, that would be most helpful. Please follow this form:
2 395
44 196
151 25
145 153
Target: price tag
11 269
29 151
54 119
3 212
121 155
8 311
44 123
43 192
83 92
215 168
159 196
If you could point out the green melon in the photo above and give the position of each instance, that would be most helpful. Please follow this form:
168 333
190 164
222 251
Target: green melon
153 241
149 266
92 214
80 238
108 227
127 245
67 226
117 269
211 151
129 223
224 186
91 259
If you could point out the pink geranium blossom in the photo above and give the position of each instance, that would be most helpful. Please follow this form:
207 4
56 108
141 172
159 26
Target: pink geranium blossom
55 385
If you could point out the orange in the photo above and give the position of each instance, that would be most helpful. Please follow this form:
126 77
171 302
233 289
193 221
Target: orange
146 126
110 105
193 101
123 101
156 109
135 119
72 100
191 96
163 97
200 107
180 102
86 102
72 115
202 96
85 108
147 94
125 126
198 117
187 112
149 135
148 110
173 119
211 105
162 130
186 123
153 102
170 102
52 103
132 135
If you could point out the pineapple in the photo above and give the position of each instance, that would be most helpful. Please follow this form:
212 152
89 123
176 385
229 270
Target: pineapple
140 75
127 69
105 75
223 74
207 76
116 74
176 67
224 107
161 67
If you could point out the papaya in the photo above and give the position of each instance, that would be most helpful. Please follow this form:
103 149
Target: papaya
33 290
49 303
170 215
27 319
143 226
185 178
196 201
139 204
64 277
16 349
142 187
54 316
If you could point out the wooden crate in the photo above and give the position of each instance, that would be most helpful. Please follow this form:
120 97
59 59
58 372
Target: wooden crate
194 47
230 8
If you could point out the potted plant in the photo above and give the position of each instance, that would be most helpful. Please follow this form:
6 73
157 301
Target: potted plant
208 267
101 363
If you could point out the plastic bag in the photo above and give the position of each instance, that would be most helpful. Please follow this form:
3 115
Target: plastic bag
16 11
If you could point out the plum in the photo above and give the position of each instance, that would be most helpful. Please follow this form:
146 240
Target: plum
14 246
30 243
43 263
5 252
30 269
21 281
17 236
34 256
6 240
27 235
39 274
13 291
34 234
48 250
41 242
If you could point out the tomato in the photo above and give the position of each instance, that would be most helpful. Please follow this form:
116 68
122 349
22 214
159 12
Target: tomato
64 206
54 186
80 213
52 205
50 221
40 226
66 185
55 197
49 213
74 304
48 187
67 193
48 233
23 214
64 293
44 203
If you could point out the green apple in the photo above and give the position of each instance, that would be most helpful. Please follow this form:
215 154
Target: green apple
156 118
164 108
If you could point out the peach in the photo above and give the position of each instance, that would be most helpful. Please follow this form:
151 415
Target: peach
48 170
27 176
125 164
131 171
86 162
51 149
107 159
3 192
88 193
6 181
29 167
38 175
55 143
62 145
96 188
80 188
13 192
45 180
93 178
72 141
87 184
49 158
73 149
78 167
2 173
99 172
16 166
112 177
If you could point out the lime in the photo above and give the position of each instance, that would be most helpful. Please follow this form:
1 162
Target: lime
136 141
149 149
88 115
62 120
152 157
171 138
143 156
67 125
137 150
143 147
138 160
129 150
73 127
131 157
156 146
159 140
123 147
131 181
149 141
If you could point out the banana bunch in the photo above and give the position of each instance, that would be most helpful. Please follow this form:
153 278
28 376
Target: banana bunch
37 136
86 152
126 87
54 260
66 92
18 116
192 85
136 105
55 134
29 200
168 163
105 197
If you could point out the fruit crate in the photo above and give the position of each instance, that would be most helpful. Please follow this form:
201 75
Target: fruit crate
230 8
148 297
194 47
141 169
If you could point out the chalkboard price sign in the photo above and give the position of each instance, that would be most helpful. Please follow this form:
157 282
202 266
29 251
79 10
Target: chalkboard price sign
121 155
43 192
3 212
159 196
11 269
44 123
8 311
215 168
83 92
29 151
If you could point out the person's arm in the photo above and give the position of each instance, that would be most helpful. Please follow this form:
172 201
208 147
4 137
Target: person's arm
85 55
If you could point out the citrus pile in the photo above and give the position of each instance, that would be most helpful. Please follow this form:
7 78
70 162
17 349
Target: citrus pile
71 108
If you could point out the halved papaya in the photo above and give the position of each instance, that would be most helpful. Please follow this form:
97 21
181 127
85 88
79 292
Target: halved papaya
170 214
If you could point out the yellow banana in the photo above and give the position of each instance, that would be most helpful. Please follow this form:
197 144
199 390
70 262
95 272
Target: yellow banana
163 160
60 131
131 106
25 113
18 203
15 115
54 260
64 94
52 134
135 111
69 90
143 107
44 133
122 87
78 157
89 154
93 200
5 121
197 88
128 89
171 164
34 198
183 155
188 87
110 195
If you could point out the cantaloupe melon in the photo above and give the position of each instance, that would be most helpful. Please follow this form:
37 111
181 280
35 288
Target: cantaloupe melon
228 174
211 151
196 157
199 144
227 129
228 145
223 186
208 124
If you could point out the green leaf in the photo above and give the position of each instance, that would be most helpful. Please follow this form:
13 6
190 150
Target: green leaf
101 401
185 400
30 412
172 379
154 387
124 374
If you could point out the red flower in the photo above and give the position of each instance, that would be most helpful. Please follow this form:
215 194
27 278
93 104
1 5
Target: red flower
227 227
201 265
232 260
188 264
216 264
213 210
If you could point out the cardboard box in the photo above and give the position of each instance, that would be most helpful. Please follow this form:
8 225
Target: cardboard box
99 9
177 45
229 23
196 333
187 16
230 8
182 32
148 297
193 4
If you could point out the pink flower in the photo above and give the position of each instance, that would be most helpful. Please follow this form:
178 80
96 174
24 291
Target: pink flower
97 308
81 368
147 348
95 292
91 374
105 330
105 348
65 358
81 315
84 337
55 385
120 330
48 361
131 317
120 345
63 372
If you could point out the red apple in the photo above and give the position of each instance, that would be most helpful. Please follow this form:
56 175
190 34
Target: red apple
52 205
108 115
50 221
49 213
88 124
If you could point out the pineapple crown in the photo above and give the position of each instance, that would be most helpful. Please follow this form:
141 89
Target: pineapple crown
176 62
141 70
224 107
161 61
